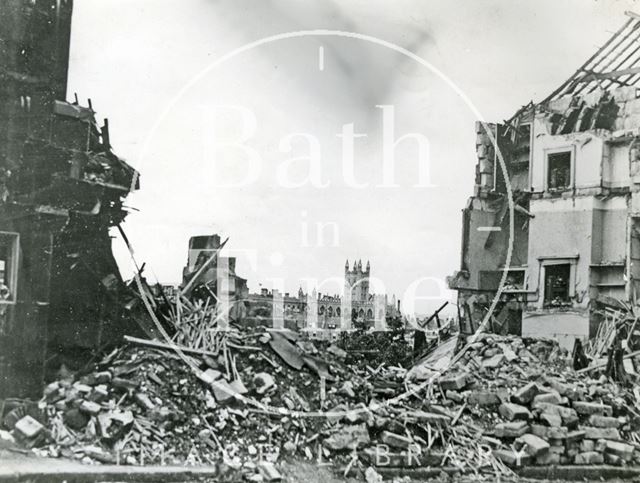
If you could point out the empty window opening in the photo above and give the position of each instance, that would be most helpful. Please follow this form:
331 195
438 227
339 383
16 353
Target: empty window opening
515 280
556 285
559 170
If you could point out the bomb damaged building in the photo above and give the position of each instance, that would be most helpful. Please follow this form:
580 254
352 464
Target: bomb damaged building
61 190
573 165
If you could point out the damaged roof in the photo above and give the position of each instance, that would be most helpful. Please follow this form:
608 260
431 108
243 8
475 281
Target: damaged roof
615 64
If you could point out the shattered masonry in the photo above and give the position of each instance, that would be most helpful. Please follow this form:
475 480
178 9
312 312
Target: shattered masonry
573 163
61 190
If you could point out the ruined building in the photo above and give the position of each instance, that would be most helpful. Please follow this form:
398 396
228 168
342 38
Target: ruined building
573 164
217 279
61 190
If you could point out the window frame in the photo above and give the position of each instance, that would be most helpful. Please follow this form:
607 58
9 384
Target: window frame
14 267
572 167
550 261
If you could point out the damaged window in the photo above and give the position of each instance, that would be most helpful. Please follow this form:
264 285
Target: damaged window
515 280
559 170
556 285
8 267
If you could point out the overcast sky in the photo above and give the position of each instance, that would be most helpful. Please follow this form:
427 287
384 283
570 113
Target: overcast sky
148 65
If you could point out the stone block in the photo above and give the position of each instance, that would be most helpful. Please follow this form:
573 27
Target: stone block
454 396
539 430
28 428
557 433
511 430
122 383
563 389
526 393
571 421
589 458
568 415
605 421
511 411
427 417
99 393
587 445
588 408
483 398
600 433
553 420
548 397
533 445
623 450
575 436
454 383
90 407
548 458
395 440
493 362
512 458
612 459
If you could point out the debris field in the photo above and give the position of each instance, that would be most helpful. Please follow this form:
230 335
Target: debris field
259 396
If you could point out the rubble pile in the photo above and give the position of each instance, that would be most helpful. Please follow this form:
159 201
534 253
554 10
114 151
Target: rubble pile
146 403
502 402
531 409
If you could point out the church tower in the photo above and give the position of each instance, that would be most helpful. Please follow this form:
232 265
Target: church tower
357 281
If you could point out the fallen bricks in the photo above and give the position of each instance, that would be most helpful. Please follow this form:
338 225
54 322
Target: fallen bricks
249 398
552 415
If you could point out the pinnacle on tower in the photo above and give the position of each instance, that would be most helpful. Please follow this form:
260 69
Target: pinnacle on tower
368 266
346 265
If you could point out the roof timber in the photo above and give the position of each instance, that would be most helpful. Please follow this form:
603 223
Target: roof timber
616 63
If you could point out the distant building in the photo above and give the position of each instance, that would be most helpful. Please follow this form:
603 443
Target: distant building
218 279
324 311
